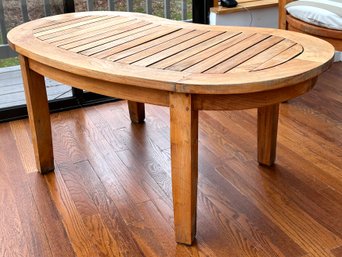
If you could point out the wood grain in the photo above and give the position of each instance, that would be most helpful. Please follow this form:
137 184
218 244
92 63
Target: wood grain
136 111
184 147
33 219
38 110
267 134
140 42
205 83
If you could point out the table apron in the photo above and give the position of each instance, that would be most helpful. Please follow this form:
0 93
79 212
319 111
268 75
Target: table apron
162 97
251 100
127 92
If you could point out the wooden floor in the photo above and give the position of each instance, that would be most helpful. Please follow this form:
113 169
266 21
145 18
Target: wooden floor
110 194
12 90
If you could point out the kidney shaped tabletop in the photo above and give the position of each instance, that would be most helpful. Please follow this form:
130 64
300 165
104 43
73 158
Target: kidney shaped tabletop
152 52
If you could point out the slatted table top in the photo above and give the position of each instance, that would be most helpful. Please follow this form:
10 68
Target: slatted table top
152 52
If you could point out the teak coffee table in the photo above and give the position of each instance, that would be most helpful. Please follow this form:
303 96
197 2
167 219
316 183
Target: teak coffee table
188 67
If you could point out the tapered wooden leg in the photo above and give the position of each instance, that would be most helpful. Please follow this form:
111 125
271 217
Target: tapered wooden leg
184 162
39 117
267 134
136 112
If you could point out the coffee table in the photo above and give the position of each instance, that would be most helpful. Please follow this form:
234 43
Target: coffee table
187 67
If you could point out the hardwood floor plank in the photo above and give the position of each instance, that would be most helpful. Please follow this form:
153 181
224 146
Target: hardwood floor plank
32 224
337 252
110 194
93 143
103 167
58 239
102 220
303 166
24 144
72 220
49 217
227 196
236 229
67 144
153 234
310 235
319 205
11 232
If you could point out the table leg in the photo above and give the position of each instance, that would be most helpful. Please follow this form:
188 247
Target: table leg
184 162
39 117
136 111
267 134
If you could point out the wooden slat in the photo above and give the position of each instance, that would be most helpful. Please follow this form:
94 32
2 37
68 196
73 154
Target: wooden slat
281 58
192 51
177 48
51 23
87 29
214 60
192 60
69 31
136 34
103 33
126 31
307 63
121 46
148 45
66 29
158 48
263 56
244 56
64 25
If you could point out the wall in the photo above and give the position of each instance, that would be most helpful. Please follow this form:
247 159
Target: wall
266 17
